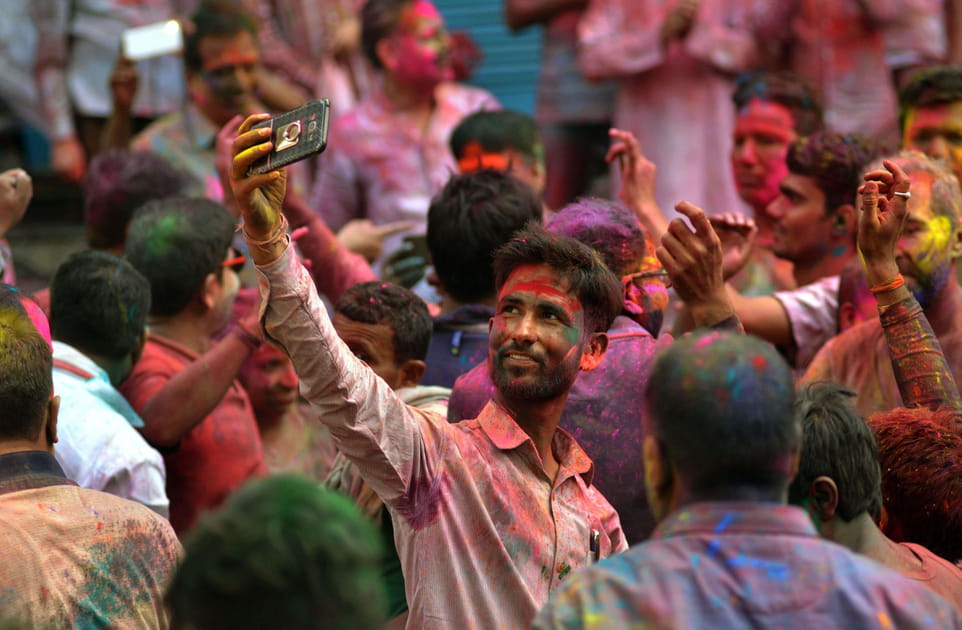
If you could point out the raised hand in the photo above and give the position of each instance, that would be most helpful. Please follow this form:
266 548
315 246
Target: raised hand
693 260
883 211
16 190
737 234
362 237
259 197
637 181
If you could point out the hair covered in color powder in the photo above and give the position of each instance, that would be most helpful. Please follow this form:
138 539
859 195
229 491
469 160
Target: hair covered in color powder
26 363
835 161
175 243
400 309
786 89
921 459
585 274
836 442
721 404
607 227
283 552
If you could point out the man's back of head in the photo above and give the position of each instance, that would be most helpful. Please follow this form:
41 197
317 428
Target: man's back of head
504 140
720 408
922 485
725 435
468 220
283 553
839 446
99 305
26 363
116 184
175 243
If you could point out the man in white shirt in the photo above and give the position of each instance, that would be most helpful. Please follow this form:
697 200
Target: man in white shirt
98 307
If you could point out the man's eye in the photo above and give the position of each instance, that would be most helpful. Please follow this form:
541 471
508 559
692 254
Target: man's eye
954 138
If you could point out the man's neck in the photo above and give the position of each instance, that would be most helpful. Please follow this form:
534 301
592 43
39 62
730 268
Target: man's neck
765 225
863 536
831 264
184 328
539 419
413 100
944 309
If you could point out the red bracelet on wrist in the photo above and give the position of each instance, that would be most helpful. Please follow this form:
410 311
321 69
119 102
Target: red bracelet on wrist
891 285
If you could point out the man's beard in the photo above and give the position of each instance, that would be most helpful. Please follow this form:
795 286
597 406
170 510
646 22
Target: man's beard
546 384
926 291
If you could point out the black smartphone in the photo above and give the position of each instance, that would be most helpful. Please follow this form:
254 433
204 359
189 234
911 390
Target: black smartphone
297 135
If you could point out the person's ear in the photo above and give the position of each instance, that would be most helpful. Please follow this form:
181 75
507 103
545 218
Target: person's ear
844 220
386 52
823 498
210 291
956 245
594 351
50 422
411 373
659 479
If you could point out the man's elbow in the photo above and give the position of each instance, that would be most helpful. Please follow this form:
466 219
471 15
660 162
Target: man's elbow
160 435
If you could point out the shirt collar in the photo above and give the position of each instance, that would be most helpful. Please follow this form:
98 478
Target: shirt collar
26 470
172 345
736 517
69 354
505 434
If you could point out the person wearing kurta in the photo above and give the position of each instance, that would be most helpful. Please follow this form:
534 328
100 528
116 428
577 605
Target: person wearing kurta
675 62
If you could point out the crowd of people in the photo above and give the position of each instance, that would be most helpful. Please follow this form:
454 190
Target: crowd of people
679 351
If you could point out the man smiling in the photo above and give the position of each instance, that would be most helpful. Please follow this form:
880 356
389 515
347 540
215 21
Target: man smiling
490 515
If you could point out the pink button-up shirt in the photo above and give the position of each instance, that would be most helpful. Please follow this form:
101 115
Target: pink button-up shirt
482 532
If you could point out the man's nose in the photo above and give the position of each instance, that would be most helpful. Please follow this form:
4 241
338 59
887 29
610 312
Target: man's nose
747 152
289 378
938 148
525 330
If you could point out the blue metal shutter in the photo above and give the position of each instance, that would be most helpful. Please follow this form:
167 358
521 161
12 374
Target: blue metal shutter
511 60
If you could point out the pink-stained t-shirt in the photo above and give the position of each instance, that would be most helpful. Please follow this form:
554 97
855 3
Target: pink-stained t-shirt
937 573
676 99
376 166
217 455
482 533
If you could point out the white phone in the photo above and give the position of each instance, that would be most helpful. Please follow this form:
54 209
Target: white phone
153 40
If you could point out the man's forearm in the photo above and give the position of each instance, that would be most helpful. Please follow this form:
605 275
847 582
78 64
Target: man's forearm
369 424
194 392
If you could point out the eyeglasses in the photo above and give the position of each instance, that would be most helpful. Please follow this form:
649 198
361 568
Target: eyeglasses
236 263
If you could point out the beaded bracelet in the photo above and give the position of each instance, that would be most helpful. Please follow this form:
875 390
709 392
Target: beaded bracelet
891 285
